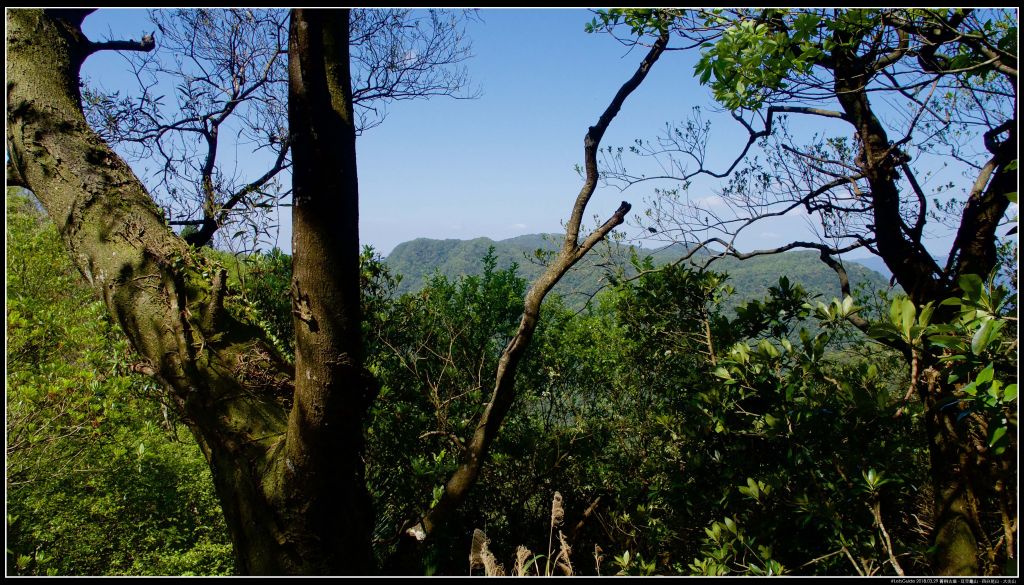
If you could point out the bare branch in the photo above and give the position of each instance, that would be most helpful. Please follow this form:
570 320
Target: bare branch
692 146
809 111
218 81
503 395
148 43
895 55
922 202
731 251
593 139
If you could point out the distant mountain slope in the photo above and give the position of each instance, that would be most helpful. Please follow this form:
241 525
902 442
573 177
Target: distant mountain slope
878 265
418 259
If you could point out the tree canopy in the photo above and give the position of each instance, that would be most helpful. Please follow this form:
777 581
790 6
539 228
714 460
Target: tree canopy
660 429
906 87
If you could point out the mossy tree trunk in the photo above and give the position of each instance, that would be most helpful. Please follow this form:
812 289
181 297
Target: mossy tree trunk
285 457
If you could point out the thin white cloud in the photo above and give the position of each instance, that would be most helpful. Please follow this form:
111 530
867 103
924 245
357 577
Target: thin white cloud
710 201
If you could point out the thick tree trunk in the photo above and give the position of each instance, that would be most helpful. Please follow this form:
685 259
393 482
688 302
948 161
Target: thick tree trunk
956 525
291 486
326 491
910 263
958 535
974 517
975 244
917 273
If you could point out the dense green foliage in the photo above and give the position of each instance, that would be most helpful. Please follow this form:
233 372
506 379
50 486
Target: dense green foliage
773 438
855 78
100 477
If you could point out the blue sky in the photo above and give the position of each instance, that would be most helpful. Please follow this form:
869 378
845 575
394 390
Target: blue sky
503 165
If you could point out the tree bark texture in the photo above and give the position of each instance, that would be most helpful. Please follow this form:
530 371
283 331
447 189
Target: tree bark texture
957 464
284 458
326 497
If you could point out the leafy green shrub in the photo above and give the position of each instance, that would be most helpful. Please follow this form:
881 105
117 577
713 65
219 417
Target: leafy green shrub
98 480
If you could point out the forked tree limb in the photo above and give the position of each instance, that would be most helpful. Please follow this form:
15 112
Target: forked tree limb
223 376
477 449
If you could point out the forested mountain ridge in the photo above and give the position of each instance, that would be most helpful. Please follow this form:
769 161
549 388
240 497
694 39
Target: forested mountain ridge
416 260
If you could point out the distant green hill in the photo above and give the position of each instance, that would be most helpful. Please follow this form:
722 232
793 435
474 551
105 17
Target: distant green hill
418 259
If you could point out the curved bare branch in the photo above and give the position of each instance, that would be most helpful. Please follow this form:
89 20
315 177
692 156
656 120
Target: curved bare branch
572 251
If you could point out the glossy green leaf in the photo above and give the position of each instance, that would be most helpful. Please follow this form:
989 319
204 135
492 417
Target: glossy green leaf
984 336
997 434
907 312
985 375
971 284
